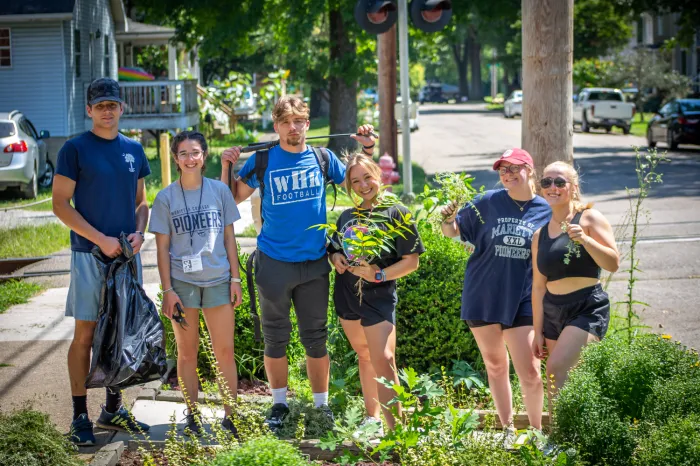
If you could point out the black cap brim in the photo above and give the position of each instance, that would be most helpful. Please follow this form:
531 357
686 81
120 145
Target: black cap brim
419 6
105 99
362 10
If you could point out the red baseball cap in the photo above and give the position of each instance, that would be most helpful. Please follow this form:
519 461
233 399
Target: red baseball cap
516 157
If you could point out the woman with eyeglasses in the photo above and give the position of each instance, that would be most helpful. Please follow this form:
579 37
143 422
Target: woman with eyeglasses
192 219
570 309
496 295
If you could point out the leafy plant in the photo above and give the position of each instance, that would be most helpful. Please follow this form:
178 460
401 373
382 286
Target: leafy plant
263 451
572 247
452 187
677 443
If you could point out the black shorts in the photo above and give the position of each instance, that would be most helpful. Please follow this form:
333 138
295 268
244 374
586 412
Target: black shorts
519 321
378 302
587 309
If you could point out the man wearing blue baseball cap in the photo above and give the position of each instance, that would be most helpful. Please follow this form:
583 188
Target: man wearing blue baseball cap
102 172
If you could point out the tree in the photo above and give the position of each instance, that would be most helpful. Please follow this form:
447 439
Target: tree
688 14
599 28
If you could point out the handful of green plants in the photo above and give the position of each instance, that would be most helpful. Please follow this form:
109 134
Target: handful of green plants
572 247
452 187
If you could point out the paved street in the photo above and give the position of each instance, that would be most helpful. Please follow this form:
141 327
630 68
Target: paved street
468 138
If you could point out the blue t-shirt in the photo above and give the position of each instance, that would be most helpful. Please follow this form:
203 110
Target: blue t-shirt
498 279
294 199
106 174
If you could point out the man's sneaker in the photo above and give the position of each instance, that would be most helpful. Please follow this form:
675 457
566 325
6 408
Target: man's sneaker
325 409
276 418
227 425
121 420
193 424
81 431
371 427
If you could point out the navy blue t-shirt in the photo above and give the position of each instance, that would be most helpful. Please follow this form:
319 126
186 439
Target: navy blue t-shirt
106 174
498 279
294 200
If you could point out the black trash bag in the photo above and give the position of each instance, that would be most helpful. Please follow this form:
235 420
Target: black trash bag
129 342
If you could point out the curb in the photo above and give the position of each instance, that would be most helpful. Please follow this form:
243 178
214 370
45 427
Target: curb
176 396
108 455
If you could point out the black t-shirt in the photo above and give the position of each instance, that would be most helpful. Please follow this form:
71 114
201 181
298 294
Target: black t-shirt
352 220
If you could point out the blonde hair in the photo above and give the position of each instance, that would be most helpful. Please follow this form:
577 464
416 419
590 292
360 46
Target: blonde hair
573 178
289 105
531 179
370 165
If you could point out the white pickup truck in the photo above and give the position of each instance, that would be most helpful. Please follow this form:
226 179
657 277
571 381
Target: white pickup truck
603 108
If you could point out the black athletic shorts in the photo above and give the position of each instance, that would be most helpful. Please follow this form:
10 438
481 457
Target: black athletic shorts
587 309
519 321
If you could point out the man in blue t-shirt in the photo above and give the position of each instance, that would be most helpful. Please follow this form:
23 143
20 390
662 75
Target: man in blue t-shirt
102 172
291 264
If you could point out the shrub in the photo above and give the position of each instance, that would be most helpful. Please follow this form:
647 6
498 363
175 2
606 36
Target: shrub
677 443
430 331
28 438
264 451
678 396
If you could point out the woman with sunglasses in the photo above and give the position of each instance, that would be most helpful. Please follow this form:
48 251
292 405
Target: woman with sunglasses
496 295
192 219
570 309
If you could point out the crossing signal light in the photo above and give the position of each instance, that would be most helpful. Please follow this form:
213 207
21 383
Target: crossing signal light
376 16
430 15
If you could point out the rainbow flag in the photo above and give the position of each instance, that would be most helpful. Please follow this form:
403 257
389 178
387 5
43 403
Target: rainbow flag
134 74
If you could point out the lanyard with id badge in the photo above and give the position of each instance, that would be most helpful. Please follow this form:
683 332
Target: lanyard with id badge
193 262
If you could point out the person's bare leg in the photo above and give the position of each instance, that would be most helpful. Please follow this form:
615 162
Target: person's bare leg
527 366
276 370
493 350
356 337
565 355
221 323
79 356
381 339
549 381
187 348
319 373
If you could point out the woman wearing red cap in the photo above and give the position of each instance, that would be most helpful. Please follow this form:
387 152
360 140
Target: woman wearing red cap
570 308
496 300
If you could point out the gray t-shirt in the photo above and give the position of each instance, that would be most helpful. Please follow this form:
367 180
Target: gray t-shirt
202 225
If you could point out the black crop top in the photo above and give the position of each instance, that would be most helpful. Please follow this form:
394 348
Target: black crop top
551 252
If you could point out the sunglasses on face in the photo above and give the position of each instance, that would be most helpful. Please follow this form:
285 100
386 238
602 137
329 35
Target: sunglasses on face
510 168
559 182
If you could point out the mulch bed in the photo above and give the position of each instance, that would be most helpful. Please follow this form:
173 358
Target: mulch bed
245 386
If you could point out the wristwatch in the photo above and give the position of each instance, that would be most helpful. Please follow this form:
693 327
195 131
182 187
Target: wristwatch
379 276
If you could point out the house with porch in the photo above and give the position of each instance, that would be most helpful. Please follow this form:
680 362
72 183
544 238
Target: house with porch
50 50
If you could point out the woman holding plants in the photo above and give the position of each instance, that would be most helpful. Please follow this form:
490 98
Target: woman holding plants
192 219
497 284
570 309
373 245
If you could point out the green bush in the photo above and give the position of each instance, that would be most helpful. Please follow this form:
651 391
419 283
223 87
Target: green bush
677 443
430 331
28 438
264 451
621 393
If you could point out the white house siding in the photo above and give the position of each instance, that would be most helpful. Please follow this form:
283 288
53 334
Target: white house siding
88 17
33 85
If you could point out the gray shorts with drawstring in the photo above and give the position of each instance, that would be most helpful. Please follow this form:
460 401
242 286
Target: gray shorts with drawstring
304 284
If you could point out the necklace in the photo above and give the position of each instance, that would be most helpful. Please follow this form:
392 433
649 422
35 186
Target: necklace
518 204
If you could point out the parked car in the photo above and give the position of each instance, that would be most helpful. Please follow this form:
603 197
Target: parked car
603 108
678 122
24 157
513 105
438 92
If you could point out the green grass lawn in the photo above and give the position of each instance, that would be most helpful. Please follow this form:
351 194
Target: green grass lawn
11 198
32 241
639 128
16 292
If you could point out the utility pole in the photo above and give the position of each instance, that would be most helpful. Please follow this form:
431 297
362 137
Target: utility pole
388 142
405 98
548 48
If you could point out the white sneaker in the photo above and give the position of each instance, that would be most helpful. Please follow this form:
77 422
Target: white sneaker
510 436
370 427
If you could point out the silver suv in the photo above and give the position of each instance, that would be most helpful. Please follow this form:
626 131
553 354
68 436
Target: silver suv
24 157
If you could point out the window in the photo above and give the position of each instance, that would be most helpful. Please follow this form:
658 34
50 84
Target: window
76 51
106 55
7 128
665 110
5 49
602 95
32 129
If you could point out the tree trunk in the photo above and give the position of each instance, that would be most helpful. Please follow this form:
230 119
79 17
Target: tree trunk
388 143
318 105
343 117
461 56
547 127
477 88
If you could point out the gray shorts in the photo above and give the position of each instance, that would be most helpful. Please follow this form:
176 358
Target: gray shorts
304 284
86 282
202 297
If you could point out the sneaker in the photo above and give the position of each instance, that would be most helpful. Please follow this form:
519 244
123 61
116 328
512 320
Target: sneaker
81 431
276 418
510 436
370 427
121 420
193 424
227 425
325 409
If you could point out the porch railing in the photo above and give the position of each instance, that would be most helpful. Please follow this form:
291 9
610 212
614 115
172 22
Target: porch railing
159 98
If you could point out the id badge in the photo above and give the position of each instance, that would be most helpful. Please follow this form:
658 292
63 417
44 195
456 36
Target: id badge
191 264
